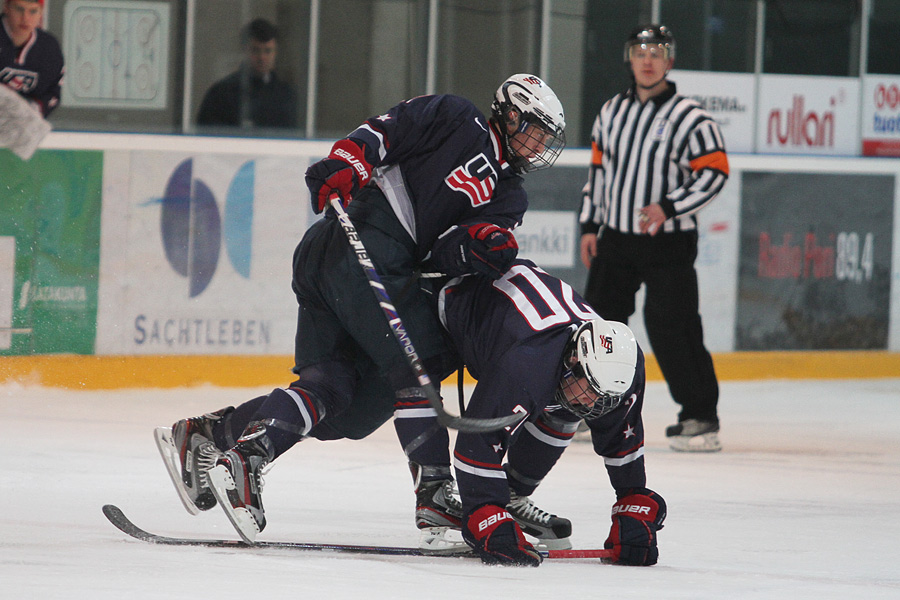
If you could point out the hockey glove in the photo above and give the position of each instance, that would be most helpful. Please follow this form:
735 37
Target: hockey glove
489 249
497 538
344 171
636 517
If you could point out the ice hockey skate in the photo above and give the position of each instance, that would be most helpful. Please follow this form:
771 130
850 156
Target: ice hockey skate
188 451
236 481
692 435
438 517
551 532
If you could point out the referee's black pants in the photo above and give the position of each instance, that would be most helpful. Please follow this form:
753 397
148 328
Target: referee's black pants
665 264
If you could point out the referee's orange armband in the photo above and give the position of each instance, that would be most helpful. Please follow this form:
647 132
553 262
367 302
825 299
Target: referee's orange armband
716 160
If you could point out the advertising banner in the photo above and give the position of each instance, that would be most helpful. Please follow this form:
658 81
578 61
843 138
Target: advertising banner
549 238
729 97
815 268
49 240
808 115
197 253
881 115
550 234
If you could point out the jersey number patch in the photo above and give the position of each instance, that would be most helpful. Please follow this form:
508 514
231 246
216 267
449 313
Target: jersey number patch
476 179
537 303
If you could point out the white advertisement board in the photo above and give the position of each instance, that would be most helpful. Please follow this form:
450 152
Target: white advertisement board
196 253
729 97
881 115
548 237
808 115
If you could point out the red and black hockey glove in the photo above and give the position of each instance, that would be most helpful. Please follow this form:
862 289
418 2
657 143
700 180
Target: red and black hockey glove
489 249
497 539
344 171
636 517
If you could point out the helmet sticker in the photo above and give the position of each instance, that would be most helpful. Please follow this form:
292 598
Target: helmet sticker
607 344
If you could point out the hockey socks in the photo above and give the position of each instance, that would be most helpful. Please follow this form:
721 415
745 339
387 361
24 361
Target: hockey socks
288 415
424 441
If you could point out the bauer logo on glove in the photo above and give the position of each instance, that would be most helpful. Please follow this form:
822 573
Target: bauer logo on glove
344 171
636 517
493 519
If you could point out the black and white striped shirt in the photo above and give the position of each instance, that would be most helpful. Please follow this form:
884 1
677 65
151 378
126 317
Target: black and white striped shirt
668 150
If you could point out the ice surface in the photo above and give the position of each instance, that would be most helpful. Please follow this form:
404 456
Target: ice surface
804 502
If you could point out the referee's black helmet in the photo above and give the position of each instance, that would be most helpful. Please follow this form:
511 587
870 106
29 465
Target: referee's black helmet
651 34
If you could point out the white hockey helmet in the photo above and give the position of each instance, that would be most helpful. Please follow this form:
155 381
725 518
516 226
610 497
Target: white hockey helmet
599 365
525 101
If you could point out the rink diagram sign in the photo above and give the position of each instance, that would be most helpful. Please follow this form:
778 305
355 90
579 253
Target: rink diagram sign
117 54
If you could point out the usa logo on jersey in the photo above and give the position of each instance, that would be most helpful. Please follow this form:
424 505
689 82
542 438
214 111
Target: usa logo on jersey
19 79
476 179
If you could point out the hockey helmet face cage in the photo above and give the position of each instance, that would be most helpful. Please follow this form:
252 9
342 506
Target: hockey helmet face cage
526 103
651 38
599 362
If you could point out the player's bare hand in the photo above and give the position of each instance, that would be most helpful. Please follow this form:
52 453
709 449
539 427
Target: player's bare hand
588 248
651 219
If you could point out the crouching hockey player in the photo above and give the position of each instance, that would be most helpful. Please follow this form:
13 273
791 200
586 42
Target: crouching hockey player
536 347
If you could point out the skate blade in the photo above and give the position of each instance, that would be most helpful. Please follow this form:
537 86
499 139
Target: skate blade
707 442
221 482
552 544
169 453
441 540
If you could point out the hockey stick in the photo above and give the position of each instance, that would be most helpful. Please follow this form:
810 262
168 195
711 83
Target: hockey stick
126 526
444 418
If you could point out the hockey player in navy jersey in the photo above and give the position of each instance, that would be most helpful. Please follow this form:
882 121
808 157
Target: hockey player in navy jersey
31 62
536 347
435 186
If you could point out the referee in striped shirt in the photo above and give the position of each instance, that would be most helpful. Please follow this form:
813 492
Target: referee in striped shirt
658 158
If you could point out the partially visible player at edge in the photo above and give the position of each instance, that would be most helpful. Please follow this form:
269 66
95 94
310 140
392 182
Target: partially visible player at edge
31 62
435 187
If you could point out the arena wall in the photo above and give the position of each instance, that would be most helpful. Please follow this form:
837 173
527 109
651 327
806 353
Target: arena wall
165 260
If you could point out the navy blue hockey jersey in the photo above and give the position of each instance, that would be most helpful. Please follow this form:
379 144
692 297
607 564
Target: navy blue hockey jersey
34 70
511 334
440 164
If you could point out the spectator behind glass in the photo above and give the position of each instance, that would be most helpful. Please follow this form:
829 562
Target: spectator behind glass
252 96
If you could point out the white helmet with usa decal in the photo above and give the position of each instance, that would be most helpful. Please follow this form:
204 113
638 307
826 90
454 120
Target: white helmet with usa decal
599 364
532 122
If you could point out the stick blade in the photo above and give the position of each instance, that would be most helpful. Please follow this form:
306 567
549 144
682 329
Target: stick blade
468 425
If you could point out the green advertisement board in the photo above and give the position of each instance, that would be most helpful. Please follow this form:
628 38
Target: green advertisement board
49 251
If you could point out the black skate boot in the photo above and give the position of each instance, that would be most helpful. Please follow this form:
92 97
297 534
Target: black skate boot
552 532
438 510
437 505
692 435
236 481
188 451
